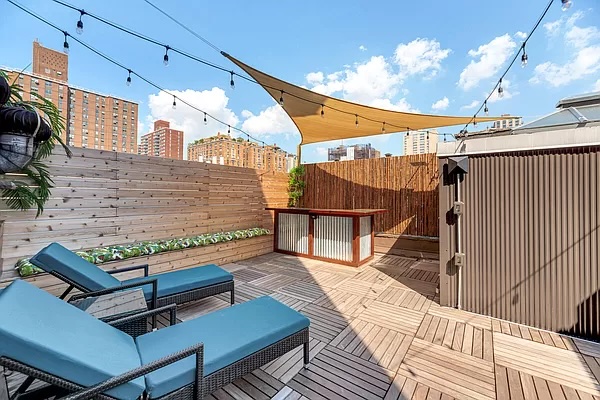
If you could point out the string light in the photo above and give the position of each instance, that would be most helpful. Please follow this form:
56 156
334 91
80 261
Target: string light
66 44
356 120
281 99
427 135
79 29
566 4
407 133
166 56
174 103
205 121
444 137
500 89
228 129
322 111
486 109
129 77
383 127
231 82
474 120
524 58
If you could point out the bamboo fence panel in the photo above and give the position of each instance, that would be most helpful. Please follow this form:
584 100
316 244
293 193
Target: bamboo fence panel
406 186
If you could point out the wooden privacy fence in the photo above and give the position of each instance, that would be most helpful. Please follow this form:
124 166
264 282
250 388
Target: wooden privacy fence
105 198
406 186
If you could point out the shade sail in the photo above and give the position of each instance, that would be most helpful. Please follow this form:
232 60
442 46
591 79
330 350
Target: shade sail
339 121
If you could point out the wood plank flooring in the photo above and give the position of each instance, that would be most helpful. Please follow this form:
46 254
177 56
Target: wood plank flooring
378 333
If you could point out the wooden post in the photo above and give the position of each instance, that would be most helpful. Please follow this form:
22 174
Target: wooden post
299 159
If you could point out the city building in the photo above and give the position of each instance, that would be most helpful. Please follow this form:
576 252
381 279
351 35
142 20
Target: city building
162 142
92 119
420 142
355 152
508 123
225 150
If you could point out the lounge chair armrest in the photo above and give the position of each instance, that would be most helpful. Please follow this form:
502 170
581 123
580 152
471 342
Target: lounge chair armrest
102 387
171 308
132 268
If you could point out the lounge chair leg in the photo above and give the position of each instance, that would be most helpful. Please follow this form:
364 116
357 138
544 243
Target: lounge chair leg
232 296
306 355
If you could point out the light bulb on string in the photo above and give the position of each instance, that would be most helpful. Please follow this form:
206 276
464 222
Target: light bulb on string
322 111
383 127
407 132
356 120
66 44
500 89
485 108
475 120
174 103
281 99
566 4
166 56
79 28
205 120
229 129
444 137
524 58
231 82
129 77
427 135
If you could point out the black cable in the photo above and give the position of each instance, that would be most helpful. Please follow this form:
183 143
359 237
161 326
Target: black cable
537 24
113 61
183 26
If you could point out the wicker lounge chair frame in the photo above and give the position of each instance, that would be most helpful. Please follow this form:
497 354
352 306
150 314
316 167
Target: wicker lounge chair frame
202 386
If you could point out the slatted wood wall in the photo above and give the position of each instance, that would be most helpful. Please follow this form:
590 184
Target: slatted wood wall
406 186
105 198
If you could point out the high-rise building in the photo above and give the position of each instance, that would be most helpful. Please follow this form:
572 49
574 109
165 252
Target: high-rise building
355 152
92 120
225 150
508 123
162 142
420 142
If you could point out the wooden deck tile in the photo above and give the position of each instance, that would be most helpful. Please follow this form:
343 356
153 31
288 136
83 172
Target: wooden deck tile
395 261
344 302
361 288
587 347
392 317
476 320
335 374
427 289
247 292
324 279
547 362
201 307
289 301
247 274
452 373
287 366
404 298
325 324
303 291
254 386
273 281
373 275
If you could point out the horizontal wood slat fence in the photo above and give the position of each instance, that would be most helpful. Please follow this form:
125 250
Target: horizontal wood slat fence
105 198
406 186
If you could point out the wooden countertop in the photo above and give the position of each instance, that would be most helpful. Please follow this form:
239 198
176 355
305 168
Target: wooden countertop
320 211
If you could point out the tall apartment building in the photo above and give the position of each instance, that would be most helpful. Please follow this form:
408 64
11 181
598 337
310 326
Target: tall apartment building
162 142
92 120
356 152
225 150
420 142
508 123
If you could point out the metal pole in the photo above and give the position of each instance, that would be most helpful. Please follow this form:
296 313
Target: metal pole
299 158
458 243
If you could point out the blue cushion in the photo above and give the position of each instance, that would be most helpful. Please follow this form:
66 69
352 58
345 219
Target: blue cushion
184 279
44 332
228 335
55 257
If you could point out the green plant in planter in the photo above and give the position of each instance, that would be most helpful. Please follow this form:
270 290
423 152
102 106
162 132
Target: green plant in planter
30 187
296 185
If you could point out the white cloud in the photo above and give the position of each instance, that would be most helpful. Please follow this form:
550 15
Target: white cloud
520 35
421 56
441 104
314 78
189 120
471 105
507 93
401 105
596 86
270 121
553 27
581 37
321 151
490 58
585 62
362 48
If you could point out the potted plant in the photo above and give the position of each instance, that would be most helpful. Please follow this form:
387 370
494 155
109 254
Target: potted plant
296 185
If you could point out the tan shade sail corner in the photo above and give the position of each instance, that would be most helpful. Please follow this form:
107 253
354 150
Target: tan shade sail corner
339 121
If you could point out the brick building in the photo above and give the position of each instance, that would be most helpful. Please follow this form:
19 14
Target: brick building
225 150
162 142
92 120
355 152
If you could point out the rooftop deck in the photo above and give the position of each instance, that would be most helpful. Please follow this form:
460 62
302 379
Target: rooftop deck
377 332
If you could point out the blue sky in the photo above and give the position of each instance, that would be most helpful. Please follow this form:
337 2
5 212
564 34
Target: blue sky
431 56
